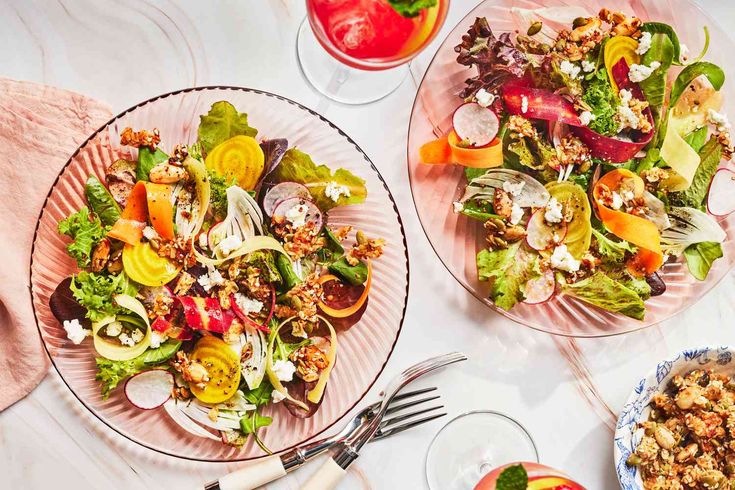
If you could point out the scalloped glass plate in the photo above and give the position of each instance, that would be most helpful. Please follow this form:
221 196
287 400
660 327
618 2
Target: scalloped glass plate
363 350
456 239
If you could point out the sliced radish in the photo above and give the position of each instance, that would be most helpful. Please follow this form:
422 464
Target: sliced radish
313 215
281 192
540 289
149 389
540 235
721 195
476 124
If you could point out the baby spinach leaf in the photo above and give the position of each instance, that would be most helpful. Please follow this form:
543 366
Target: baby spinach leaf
221 123
700 257
148 159
251 422
261 395
101 201
654 87
668 31
713 73
697 138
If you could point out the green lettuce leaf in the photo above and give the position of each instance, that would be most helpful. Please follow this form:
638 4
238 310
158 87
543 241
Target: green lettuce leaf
701 256
508 270
612 252
512 478
221 123
101 201
297 166
693 197
411 8
654 87
111 373
606 293
95 291
86 230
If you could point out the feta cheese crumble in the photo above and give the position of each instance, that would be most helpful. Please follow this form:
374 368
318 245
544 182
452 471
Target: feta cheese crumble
516 214
333 191
137 335
524 104
284 370
157 338
211 279
628 118
203 240
229 244
457 206
588 66
126 340
638 73
248 305
74 331
718 119
297 215
644 43
562 260
617 201
569 68
484 98
553 213
513 188
586 118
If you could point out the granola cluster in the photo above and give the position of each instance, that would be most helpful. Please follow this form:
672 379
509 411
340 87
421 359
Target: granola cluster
689 440
589 32
137 139
300 241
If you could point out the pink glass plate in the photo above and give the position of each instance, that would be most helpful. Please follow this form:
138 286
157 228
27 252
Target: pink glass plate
456 239
363 350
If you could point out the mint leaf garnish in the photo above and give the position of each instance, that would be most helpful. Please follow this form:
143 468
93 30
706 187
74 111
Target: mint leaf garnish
512 478
411 8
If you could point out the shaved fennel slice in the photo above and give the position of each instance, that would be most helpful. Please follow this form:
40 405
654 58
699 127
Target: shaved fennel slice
185 422
244 219
200 414
656 211
532 195
253 369
690 226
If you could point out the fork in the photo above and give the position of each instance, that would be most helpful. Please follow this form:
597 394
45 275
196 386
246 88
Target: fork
273 467
328 476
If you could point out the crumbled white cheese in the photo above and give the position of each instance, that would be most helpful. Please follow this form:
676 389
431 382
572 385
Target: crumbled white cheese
333 191
277 396
588 66
570 69
516 214
229 244
137 335
211 279
562 260
625 96
126 340
524 104
617 201
458 206
627 195
718 119
113 329
553 213
513 188
628 118
74 331
203 240
484 98
586 118
157 338
638 73
684 52
284 370
644 43
149 233
248 305
297 215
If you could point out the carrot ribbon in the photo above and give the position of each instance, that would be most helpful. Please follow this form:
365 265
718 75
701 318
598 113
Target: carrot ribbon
146 199
448 150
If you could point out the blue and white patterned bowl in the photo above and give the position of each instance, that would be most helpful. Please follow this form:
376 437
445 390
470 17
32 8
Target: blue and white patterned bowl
636 409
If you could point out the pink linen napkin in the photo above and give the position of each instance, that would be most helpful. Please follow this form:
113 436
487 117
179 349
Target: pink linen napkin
40 127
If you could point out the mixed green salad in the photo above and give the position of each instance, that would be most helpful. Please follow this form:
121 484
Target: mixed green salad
592 153
210 282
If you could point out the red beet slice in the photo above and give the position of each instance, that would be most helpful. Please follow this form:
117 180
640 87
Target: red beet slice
298 389
63 305
339 295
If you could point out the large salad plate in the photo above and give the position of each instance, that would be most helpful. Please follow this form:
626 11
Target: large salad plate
363 350
456 239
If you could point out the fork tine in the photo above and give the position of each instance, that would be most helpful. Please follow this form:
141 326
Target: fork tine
381 434
403 396
398 408
401 418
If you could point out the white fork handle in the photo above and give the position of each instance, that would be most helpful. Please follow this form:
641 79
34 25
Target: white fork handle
253 475
327 477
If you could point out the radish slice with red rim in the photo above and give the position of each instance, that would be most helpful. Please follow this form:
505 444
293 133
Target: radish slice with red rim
541 235
281 192
149 389
476 124
540 289
310 211
721 195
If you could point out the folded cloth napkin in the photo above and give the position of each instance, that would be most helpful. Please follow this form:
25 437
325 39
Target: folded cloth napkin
40 127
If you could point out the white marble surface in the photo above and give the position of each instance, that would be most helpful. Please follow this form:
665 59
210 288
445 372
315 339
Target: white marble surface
565 392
